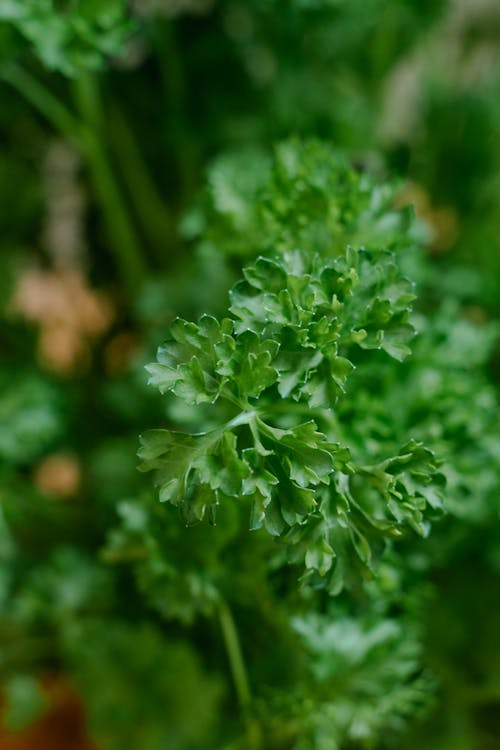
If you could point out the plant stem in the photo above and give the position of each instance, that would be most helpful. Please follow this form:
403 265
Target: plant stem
239 673
125 247
84 133
44 101
235 655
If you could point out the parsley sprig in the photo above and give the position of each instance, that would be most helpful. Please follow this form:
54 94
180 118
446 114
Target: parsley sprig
280 363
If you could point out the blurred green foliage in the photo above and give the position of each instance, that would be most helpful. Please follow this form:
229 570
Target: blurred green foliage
152 150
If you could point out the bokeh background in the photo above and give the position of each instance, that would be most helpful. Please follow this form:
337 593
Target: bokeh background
134 139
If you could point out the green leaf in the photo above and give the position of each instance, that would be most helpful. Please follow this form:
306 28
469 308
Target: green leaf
67 36
409 482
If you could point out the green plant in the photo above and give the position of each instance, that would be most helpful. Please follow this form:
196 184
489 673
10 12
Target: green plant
318 565
297 325
272 382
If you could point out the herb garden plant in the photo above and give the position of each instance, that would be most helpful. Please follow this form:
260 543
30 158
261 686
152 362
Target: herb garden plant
284 356
272 535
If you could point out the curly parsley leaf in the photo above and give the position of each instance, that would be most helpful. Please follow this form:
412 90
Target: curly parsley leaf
281 364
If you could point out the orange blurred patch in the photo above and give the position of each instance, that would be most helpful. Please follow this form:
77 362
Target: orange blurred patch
62 727
443 220
70 315
119 352
58 475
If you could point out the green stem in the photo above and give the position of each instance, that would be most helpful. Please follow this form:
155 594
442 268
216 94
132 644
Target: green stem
124 245
44 101
84 133
239 673
235 655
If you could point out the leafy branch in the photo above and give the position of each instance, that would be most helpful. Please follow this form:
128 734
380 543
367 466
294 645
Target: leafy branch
297 326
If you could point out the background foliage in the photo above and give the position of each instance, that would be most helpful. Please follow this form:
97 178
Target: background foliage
153 150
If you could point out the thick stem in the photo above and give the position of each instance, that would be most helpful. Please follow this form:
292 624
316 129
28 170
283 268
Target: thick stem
124 245
84 132
239 674
234 654
44 101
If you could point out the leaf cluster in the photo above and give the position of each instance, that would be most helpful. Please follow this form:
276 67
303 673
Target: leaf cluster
297 324
68 36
